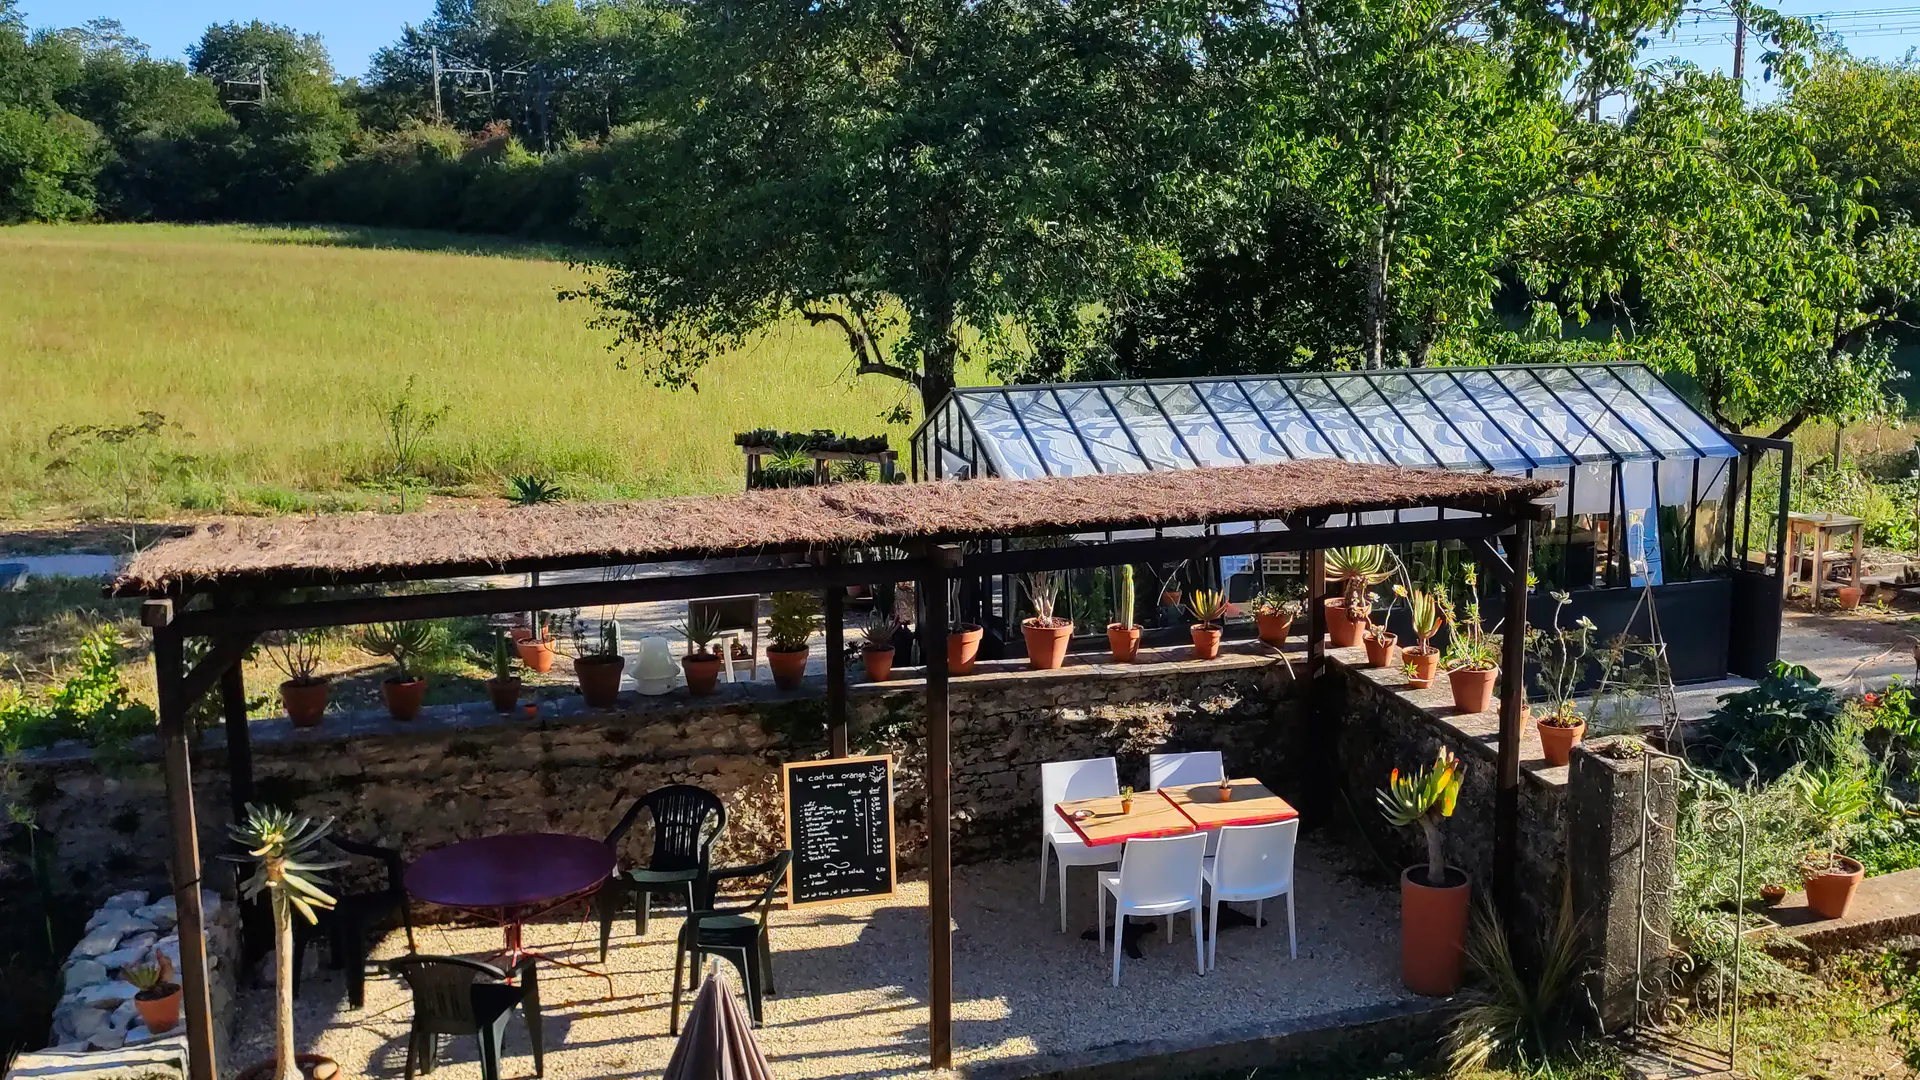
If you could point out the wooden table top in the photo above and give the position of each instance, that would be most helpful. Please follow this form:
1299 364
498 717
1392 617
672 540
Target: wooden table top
1153 815
1251 804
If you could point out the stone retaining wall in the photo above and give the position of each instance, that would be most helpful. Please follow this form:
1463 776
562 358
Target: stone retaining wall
96 1010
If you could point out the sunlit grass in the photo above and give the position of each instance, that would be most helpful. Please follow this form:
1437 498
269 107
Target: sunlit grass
275 347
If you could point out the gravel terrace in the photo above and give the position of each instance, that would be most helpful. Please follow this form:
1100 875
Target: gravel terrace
852 982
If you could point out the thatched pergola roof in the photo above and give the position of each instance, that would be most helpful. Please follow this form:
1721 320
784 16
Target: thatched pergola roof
258 551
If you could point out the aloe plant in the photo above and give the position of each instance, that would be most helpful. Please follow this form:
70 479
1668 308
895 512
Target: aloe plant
1359 568
281 849
1208 607
1424 607
1425 797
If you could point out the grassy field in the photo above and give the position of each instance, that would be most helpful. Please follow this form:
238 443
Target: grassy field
276 348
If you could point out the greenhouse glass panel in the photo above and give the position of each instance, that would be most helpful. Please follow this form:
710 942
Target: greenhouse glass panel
1350 443
1000 436
1662 398
1513 416
1204 435
1052 433
1379 420
1102 429
1613 432
1440 436
1149 427
1297 431
1474 422
1249 432
1624 402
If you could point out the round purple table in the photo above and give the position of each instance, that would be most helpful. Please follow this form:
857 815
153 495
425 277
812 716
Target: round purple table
513 878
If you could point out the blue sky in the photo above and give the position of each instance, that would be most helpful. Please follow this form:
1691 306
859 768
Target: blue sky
353 29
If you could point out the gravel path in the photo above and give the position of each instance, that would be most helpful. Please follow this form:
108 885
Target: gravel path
852 981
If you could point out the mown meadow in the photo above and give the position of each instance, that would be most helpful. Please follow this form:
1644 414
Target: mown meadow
278 353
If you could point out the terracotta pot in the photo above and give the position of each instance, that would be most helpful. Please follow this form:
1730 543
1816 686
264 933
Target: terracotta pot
404 697
1433 931
1426 664
1274 628
1472 690
879 663
1124 641
1772 894
1225 792
599 678
703 673
537 655
1126 806
1170 598
304 702
1380 649
789 667
1557 743
1849 597
505 693
519 634
1342 631
1829 894
1206 641
160 1014
312 1066
963 647
1046 645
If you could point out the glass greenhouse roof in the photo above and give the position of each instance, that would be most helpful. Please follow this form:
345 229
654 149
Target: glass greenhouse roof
1509 418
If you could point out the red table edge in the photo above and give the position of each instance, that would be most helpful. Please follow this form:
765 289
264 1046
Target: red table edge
1150 835
1259 819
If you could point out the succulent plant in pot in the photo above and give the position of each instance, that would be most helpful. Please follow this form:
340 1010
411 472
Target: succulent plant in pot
1209 610
1123 634
403 643
790 626
304 693
1380 641
1274 610
701 663
597 662
1472 657
1126 799
1047 634
1423 605
158 997
1561 656
1837 797
1433 897
876 646
1355 570
503 689
281 849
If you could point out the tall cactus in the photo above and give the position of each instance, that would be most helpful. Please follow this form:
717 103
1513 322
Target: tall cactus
1123 601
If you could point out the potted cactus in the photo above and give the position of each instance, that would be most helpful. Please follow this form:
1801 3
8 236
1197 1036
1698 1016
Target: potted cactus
503 689
1422 659
1355 570
597 662
1274 610
1433 897
791 627
701 663
304 693
1047 634
403 643
1208 608
1123 636
158 997
876 647
282 849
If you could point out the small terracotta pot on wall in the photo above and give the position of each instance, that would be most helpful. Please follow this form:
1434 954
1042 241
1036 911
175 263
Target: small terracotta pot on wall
1206 641
504 693
703 673
788 666
1472 689
879 663
537 655
1046 645
159 1013
1433 931
600 679
1557 743
1829 895
1380 648
963 648
1426 664
1274 628
1124 641
404 697
1343 632
305 702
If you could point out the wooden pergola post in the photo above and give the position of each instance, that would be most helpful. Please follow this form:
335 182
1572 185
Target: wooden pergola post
1513 701
834 604
1316 611
933 642
168 664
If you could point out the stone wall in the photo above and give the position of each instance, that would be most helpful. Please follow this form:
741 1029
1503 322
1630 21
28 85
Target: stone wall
96 1010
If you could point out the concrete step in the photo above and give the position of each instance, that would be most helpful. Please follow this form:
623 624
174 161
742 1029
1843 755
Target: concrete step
1884 908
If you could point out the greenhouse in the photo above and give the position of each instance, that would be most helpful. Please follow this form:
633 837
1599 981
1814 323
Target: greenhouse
1650 487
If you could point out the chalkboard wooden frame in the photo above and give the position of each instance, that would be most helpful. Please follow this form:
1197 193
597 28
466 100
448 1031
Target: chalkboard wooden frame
786 822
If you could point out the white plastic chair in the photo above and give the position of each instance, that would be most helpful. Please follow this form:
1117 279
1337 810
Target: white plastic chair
1255 863
1177 770
1065 781
1157 877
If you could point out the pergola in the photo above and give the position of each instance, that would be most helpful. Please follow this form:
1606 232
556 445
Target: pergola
226 583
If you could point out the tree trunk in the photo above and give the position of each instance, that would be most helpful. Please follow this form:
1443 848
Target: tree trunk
938 362
1376 312
1436 856
285 1067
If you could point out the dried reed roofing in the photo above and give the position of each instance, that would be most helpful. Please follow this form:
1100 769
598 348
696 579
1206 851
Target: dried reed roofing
441 543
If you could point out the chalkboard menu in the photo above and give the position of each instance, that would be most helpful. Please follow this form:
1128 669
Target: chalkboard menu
840 827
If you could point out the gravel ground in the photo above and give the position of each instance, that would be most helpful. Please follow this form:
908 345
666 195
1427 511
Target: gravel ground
852 981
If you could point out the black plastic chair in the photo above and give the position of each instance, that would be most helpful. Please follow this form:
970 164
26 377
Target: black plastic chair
451 998
346 925
686 822
736 933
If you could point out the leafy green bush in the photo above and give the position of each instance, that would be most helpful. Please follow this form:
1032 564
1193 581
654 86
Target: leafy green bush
1761 732
93 703
1887 507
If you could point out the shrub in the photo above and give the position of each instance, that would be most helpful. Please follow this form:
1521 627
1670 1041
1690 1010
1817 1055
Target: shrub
1761 732
92 704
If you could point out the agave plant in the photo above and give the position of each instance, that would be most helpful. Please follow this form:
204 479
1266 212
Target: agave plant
1208 607
401 642
1358 569
281 849
1425 797
532 489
